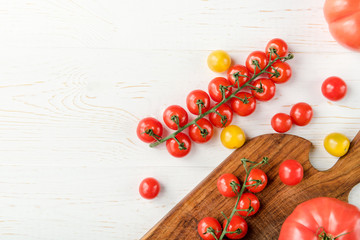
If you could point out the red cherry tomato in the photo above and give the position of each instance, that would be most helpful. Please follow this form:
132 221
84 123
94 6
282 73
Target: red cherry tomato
301 114
258 56
241 108
234 73
224 187
214 88
149 129
197 96
256 175
174 114
281 122
334 88
279 45
204 135
173 146
291 172
284 72
224 110
149 188
246 200
268 89
237 223
205 224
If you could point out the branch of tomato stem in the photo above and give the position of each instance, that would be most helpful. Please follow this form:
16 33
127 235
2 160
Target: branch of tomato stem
247 170
201 115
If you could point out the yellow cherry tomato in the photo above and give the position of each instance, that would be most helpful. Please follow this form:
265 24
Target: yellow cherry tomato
232 137
219 61
336 144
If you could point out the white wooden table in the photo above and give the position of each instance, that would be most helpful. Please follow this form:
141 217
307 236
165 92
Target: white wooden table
76 76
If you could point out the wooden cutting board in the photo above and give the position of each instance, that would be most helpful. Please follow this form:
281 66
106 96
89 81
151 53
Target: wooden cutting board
277 200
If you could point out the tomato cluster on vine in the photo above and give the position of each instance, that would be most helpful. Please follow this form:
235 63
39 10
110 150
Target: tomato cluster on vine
237 93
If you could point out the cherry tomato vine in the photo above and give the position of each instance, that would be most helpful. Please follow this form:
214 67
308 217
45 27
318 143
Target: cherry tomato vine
238 190
226 95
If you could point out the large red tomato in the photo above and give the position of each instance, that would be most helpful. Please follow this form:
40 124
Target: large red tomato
326 216
343 17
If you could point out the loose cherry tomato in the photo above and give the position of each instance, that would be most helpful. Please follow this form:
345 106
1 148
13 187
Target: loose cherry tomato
204 226
334 88
268 89
301 114
198 98
214 88
149 129
203 135
175 115
224 187
291 172
232 137
256 175
219 61
283 73
336 144
233 75
260 58
279 45
149 188
281 122
237 225
241 108
173 146
247 200
217 120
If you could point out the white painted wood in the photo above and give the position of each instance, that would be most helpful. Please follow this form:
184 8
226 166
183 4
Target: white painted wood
76 76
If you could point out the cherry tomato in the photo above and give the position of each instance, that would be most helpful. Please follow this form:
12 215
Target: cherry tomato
198 96
244 202
219 61
204 135
214 88
241 108
291 172
279 45
232 137
336 144
173 146
205 224
281 122
268 89
256 175
301 114
149 129
258 56
149 188
233 75
284 71
224 110
175 114
224 187
237 223
334 88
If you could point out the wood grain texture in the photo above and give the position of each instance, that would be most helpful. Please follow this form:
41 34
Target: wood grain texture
277 200
77 75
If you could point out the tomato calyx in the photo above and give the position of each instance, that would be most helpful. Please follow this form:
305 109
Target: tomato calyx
236 76
200 103
224 118
203 131
181 144
151 133
325 236
211 231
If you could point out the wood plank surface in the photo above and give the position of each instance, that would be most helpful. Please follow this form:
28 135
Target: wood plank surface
77 75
